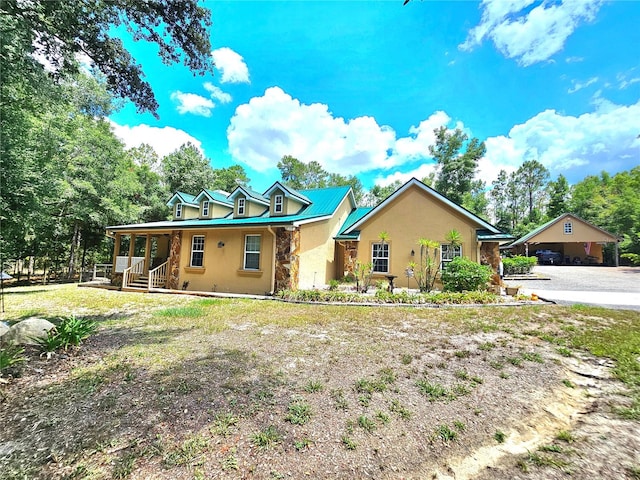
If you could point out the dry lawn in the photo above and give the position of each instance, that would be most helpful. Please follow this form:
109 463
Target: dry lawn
176 387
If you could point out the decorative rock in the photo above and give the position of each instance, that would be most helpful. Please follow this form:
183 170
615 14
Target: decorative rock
26 331
4 328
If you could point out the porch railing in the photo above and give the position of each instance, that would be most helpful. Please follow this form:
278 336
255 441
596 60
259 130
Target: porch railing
102 271
158 276
136 268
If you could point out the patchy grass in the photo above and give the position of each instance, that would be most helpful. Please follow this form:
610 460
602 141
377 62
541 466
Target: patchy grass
183 387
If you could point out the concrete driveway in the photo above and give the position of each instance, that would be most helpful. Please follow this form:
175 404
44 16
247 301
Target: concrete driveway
611 287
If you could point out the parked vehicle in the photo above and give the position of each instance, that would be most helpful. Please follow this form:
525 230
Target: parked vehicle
549 256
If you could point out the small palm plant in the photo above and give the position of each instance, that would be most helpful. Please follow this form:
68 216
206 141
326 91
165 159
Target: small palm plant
426 271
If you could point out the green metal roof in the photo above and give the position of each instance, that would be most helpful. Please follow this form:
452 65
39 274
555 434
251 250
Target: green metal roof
182 198
217 196
325 202
250 195
353 217
487 236
288 191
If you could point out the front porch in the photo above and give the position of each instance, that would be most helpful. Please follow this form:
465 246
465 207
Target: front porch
145 265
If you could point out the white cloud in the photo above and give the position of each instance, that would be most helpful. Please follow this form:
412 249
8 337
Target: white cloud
530 35
605 139
164 140
231 65
216 93
580 85
192 103
421 172
275 124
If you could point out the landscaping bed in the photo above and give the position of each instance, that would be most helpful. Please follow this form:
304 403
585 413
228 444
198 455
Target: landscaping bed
182 387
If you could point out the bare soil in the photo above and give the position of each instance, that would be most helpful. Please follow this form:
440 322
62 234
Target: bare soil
184 398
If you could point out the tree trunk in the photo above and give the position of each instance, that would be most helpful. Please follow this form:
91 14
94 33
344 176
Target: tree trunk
75 244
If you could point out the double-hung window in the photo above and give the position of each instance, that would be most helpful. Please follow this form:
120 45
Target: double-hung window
197 251
448 252
252 252
277 204
179 210
205 208
241 206
380 257
568 228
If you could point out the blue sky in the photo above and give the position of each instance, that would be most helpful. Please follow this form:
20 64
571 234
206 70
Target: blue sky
360 87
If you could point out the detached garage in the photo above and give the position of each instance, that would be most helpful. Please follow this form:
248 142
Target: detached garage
578 241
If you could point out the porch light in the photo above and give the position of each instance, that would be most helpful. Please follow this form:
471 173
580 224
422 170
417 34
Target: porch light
413 253
220 244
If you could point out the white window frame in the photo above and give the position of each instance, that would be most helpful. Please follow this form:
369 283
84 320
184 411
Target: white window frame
179 210
251 252
205 208
568 228
450 255
197 246
383 248
242 206
278 204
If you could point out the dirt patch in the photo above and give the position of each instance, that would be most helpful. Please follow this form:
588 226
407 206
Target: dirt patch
265 390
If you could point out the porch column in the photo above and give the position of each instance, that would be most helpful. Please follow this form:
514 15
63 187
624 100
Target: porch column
116 250
350 257
147 254
490 255
174 260
132 248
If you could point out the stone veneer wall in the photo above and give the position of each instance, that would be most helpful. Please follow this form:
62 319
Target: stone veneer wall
174 259
287 262
490 255
350 257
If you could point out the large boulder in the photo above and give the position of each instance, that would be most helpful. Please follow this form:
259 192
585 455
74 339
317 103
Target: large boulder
27 331
4 328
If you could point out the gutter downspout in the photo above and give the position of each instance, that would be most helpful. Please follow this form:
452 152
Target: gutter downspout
273 262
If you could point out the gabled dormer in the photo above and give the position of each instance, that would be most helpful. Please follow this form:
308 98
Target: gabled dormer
248 203
184 206
284 200
214 204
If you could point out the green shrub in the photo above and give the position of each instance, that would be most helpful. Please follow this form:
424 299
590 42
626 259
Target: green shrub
518 265
70 331
11 358
634 258
462 275
333 285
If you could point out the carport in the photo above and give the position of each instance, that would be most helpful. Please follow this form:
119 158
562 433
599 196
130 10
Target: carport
579 242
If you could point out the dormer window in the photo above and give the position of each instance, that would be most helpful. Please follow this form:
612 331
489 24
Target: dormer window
277 204
241 206
179 210
205 208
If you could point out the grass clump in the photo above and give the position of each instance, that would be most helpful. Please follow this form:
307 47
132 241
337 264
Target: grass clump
348 443
266 438
223 423
299 412
313 386
366 423
446 434
189 453
400 410
499 436
565 436
434 391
